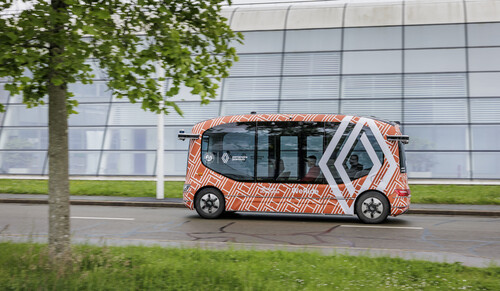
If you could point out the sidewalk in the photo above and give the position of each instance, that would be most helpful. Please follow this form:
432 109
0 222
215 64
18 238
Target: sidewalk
431 209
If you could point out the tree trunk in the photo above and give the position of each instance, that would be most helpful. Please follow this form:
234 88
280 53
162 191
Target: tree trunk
59 227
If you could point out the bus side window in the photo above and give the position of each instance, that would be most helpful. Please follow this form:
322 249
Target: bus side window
228 149
358 162
330 130
277 152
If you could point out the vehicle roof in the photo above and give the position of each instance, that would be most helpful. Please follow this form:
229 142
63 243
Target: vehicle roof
287 117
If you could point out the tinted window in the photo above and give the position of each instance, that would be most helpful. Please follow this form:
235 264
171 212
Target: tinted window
402 157
290 152
228 149
287 152
278 152
356 162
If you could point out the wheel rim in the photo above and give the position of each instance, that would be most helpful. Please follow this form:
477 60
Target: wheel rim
209 203
372 208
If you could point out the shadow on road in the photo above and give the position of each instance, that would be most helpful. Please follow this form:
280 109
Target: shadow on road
258 216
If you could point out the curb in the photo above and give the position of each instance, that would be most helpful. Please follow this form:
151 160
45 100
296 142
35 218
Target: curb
181 205
454 212
98 203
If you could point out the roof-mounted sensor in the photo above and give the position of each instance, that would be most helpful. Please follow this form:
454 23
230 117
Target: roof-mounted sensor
182 135
402 138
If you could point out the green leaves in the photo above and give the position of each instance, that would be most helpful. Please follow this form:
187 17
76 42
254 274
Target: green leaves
43 46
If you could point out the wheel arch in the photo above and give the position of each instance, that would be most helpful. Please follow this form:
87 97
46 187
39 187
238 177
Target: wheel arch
207 187
371 190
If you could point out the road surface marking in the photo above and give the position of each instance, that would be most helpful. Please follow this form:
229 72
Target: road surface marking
377 226
102 218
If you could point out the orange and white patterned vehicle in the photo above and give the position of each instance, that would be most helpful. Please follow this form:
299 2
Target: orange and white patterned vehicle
300 163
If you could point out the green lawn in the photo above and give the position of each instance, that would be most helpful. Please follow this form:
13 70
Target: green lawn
26 267
94 188
455 194
452 194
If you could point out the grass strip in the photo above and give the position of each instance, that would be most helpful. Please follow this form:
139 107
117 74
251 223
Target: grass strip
173 189
456 194
439 194
26 266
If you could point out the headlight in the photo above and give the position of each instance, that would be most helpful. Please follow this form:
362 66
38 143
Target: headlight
186 187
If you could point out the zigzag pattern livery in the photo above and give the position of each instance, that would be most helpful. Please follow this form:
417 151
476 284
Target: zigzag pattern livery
331 198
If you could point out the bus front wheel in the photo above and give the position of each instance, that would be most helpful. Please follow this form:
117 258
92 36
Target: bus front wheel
372 207
209 203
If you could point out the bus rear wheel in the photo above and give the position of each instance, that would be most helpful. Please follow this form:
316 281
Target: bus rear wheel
372 207
210 203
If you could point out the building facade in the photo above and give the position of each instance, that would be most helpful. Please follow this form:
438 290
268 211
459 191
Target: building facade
432 65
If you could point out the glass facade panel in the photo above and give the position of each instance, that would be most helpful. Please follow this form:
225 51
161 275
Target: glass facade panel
24 138
251 88
96 92
127 163
442 137
194 112
257 65
431 96
313 40
310 87
435 111
326 106
130 139
175 163
485 110
18 99
484 34
83 163
373 38
89 114
385 109
435 85
4 94
85 138
485 165
22 162
484 84
484 59
186 95
19 115
374 86
437 164
434 60
230 108
171 141
260 42
311 63
485 137
372 62
433 36
121 113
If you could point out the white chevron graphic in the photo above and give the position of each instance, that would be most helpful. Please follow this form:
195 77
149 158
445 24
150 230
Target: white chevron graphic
338 163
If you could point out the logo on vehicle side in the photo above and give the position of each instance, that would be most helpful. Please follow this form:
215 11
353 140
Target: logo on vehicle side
338 163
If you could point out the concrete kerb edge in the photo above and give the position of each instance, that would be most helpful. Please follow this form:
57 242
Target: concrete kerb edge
181 205
97 203
454 212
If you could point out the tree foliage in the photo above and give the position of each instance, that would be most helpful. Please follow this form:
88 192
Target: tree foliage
48 45
127 39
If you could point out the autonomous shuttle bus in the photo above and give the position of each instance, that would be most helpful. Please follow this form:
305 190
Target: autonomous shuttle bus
298 163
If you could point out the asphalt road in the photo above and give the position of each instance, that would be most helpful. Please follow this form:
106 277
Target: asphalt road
474 241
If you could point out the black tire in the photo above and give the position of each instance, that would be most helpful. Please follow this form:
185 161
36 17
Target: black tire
372 207
209 203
